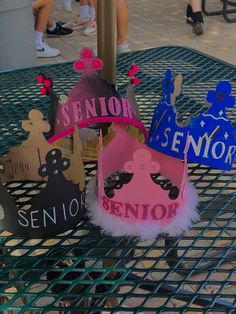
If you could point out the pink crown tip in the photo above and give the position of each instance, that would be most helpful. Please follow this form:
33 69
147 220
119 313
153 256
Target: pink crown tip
135 68
136 81
131 73
43 91
48 83
97 64
87 53
40 78
78 65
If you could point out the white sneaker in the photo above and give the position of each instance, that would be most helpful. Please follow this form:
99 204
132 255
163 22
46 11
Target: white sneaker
78 24
91 28
45 51
122 48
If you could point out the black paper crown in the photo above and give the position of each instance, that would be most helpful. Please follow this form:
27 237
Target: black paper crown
59 204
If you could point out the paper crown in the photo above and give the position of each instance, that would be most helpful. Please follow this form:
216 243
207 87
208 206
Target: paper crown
140 192
58 205
94 100
211 135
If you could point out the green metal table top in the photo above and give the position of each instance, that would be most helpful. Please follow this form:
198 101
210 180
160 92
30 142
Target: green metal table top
84 271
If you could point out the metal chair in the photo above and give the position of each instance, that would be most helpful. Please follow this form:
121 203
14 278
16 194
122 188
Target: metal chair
225 11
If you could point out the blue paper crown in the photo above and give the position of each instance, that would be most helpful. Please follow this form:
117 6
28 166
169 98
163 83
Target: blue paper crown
210 135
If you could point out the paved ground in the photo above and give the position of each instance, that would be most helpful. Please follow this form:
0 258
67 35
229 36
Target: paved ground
157 23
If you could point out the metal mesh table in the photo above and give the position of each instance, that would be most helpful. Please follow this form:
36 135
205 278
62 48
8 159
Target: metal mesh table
195 273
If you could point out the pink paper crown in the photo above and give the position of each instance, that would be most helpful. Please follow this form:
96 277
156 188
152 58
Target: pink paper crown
93 100
155 198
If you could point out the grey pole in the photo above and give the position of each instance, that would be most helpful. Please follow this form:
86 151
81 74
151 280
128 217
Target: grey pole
106 38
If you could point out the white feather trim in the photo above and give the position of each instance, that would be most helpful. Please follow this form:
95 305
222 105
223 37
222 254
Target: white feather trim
145 230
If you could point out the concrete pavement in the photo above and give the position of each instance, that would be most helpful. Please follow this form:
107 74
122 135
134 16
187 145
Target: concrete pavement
155 23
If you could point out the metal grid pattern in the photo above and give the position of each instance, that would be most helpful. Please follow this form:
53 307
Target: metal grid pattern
83 271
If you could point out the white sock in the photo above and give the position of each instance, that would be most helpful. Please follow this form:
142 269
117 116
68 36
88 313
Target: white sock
38 38
52 28
84 12
92 13
67 5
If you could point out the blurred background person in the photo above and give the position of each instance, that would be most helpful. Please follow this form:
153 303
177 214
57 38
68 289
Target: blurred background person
86 20
43 22
42 10
194 16
122 26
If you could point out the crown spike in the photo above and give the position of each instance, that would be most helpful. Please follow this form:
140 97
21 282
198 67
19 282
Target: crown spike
47 89
88 64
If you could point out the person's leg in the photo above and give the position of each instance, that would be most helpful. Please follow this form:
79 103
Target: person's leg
196 5
92 9
64 5
122 25
83 19
42 10
122 21
189 14
197 17
84 10
91 28
67 5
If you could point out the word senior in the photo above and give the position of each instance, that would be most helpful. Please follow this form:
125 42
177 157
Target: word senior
201 148
135 212
93 109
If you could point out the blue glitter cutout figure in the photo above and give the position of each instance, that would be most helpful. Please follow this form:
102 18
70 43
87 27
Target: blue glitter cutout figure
210 135
168 86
